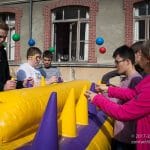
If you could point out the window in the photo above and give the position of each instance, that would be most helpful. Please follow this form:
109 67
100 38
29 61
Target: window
70 33
142 21
9 18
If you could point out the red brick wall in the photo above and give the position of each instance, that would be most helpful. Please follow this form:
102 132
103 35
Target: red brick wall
18 15
128 8
93 7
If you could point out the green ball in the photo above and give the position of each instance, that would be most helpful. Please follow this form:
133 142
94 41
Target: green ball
52 49
16 37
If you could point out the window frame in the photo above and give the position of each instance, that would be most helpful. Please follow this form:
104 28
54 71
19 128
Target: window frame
78 22
136 19
93 7
10 44
18 14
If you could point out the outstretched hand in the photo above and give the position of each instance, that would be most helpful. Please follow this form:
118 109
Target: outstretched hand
90 95
102 88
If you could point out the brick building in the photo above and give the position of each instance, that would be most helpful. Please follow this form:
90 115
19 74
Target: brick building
71 27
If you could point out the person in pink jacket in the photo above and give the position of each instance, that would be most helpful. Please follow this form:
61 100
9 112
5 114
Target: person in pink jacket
137 102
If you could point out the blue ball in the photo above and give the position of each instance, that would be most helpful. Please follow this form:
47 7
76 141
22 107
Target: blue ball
99 41
31 42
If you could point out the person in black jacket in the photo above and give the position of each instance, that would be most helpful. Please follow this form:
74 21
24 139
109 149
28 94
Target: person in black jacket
5 80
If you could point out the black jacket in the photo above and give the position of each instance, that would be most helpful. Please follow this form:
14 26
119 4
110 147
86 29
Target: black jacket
4 68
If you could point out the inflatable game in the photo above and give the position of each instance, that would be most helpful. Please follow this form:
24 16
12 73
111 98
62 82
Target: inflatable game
54 117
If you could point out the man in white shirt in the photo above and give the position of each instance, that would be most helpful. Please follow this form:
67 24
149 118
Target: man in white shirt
28 70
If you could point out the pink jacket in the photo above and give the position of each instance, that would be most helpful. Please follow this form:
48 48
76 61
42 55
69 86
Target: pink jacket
137 107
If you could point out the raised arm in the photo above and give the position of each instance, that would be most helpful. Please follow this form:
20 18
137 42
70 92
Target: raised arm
124 94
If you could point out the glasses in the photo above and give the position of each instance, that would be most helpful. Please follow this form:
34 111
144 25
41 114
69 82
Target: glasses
36 57
2 36
119 61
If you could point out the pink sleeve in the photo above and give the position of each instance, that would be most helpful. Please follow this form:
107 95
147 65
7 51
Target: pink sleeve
124 94
133 109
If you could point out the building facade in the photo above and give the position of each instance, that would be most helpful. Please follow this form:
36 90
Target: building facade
71 27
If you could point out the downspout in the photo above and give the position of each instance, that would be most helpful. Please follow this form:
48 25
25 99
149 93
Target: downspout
30 20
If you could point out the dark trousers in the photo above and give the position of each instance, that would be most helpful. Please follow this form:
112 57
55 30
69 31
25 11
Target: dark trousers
117 145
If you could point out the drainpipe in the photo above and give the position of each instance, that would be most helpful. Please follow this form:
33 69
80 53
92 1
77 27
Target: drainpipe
30 19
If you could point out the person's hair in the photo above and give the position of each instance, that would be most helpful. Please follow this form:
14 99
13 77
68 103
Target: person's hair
47 54
33 51
146 49
125 52
137 46
4 26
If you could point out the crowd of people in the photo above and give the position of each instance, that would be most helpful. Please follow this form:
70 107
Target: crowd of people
130 109
28 73
135 103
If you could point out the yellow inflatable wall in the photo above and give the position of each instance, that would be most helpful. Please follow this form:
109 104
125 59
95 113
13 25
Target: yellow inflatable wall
21 110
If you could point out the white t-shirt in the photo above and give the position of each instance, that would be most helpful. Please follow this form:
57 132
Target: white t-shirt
26 70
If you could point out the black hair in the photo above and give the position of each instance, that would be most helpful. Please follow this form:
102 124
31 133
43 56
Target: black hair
47 54
125 52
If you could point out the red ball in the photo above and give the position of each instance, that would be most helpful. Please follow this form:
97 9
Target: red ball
102 50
